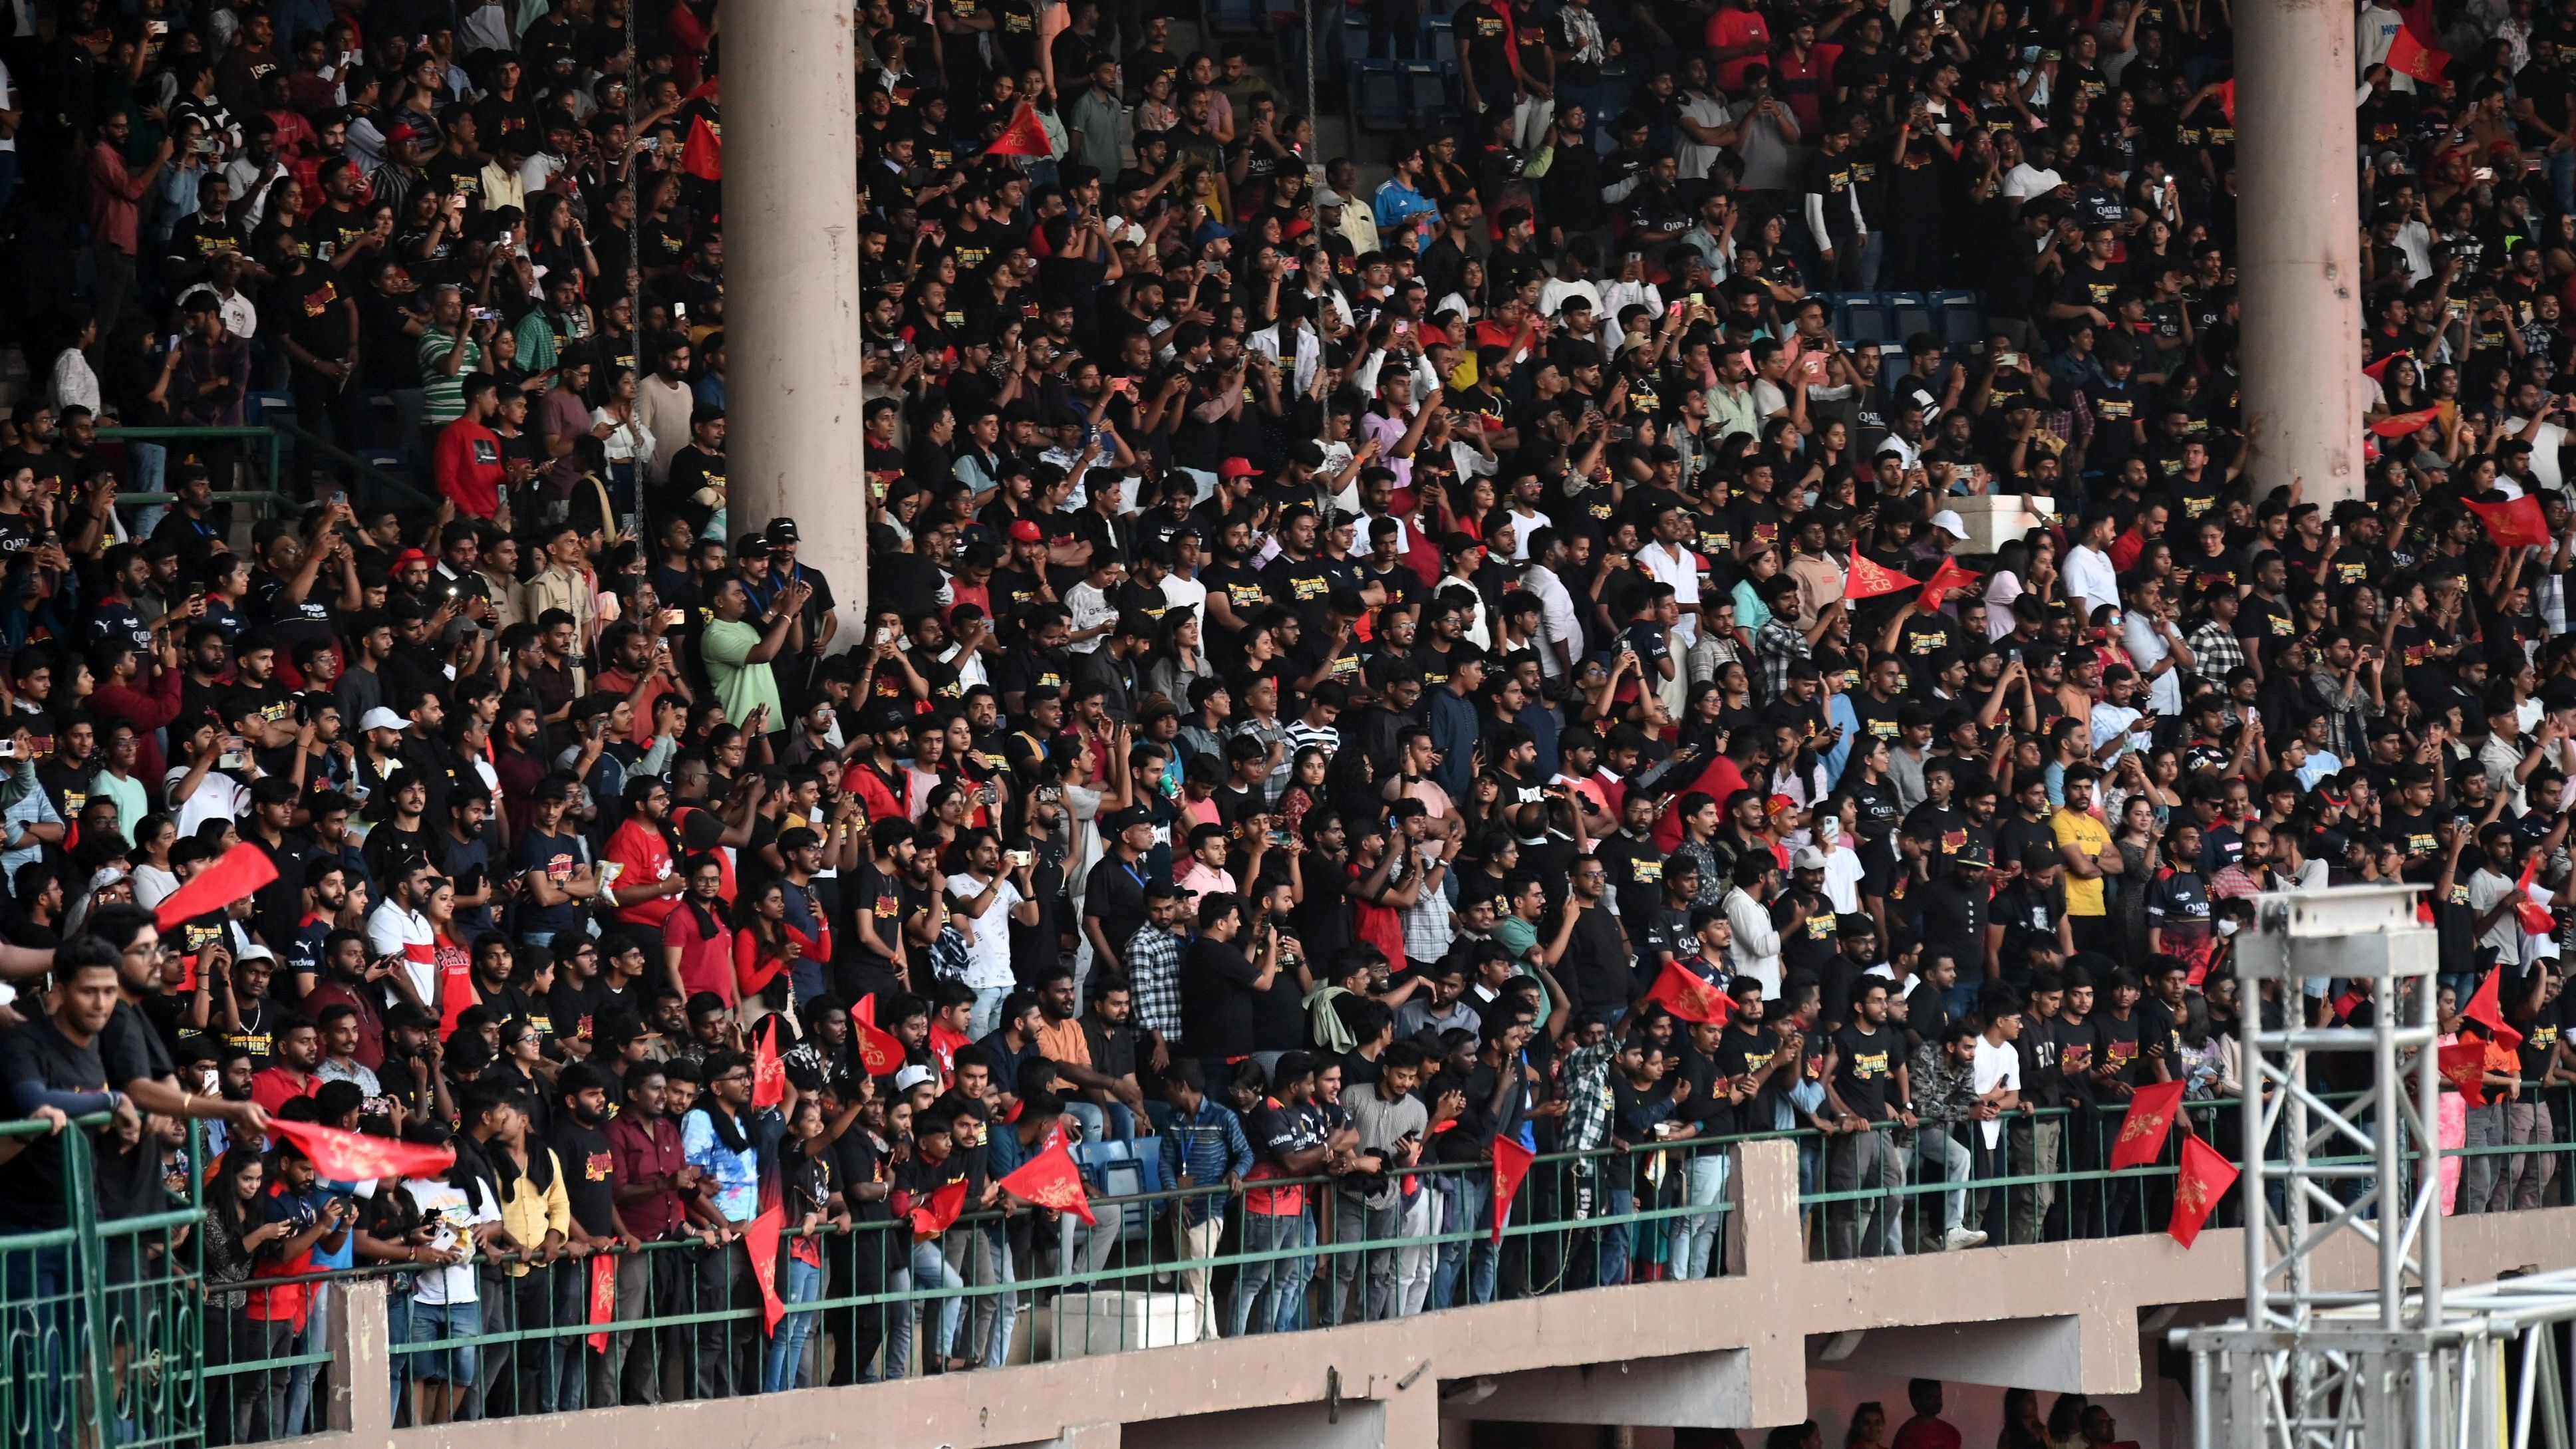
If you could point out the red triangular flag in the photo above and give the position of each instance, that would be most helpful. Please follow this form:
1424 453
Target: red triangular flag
244 870
933 1218
2401 425
2378 371
2411 57
2486 1008
2150 1121
603 1297
1687 997
1952 574
760 1239
357 1157
2536 918
879 1051
702 154
2205 1177
1051 1180
1026 135
2227 100
2515 523
768 1073
1511 1164
1863 579
2464 1065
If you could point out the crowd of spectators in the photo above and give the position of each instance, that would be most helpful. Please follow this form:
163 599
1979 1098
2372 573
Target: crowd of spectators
1333 656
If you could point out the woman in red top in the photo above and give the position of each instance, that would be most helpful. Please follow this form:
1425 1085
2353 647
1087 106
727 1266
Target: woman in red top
697 942
1378 902
761 948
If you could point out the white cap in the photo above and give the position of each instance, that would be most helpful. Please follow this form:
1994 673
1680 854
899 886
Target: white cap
1949 518
253 952
1327 199
911 1077
1808 858
381 718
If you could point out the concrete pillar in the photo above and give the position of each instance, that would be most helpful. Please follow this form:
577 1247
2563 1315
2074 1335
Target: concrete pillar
2298 174
794 434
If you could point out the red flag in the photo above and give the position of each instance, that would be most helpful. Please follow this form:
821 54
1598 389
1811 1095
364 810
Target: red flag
1511 1164
2227 100
1688 997
2150 1121
760 1239
1952 574
2378 371
1051 1180
1867 580
1026 135
2464 1065
2486 1008
711 87
603 1297
702 154
2411 57
931 1219
2515 523
2536 918
2400 425
2205 1177
244 869
768 1073
357 1157
879 1051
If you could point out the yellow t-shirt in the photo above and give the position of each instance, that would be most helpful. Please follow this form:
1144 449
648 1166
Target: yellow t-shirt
2071 827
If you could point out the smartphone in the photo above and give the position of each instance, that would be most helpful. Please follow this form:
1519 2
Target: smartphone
339 496
173 344
487 314
885 635
679 311
649 143
674 618
8 749
232 759
1019 858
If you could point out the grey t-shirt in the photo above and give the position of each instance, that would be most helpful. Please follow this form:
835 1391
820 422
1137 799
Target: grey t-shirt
1381 1123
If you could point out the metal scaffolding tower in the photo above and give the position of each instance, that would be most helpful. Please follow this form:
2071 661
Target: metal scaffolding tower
2400 1365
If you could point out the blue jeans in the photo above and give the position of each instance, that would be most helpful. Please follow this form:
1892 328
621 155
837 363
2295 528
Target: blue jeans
299 1393
802 1283
988 1011
930 1271
38 1326
437 1323
1005 1304
1270 1296
1695 1233
1466 1198
1616 1237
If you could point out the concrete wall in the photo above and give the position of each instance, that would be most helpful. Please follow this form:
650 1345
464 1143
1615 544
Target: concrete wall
1735 1351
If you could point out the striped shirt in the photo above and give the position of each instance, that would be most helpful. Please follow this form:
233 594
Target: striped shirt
446 394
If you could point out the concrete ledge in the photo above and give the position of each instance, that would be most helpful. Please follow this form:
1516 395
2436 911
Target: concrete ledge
1732 1352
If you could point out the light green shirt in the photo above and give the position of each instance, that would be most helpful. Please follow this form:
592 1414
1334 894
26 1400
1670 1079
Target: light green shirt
742 685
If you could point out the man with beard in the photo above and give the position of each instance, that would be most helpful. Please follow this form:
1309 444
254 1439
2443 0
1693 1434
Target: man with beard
135 1043
579 1138
877 913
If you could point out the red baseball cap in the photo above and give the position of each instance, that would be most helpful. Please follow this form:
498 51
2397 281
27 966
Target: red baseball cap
1237 468
1026 532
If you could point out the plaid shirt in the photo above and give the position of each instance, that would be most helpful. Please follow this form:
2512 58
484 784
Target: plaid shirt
1427 932
1587 1097
2215 652
1154 974
1776 647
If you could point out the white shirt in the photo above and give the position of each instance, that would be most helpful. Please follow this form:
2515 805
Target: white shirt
988 960
2090 577
1995 1065
1672 564
74 384
454 1216
2026 181
241 316
1757 941
1557 621
393 931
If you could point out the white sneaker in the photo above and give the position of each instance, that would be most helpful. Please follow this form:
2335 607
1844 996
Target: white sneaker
1957 1238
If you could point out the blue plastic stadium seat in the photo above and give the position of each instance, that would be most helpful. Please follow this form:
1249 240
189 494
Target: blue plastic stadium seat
1963 319
1907 314
1862 318
1430 93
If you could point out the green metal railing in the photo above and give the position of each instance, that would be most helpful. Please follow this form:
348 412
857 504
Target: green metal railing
265 446
101 1319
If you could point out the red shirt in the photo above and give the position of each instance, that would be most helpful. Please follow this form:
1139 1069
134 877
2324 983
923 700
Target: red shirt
647 1148
645 857
1919 1433
274 1087
1728 28
467 465
706 964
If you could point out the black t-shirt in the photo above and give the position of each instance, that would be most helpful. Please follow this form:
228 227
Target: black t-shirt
1217 1000
31 1183
2115 1045
589 1174
1865 1064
